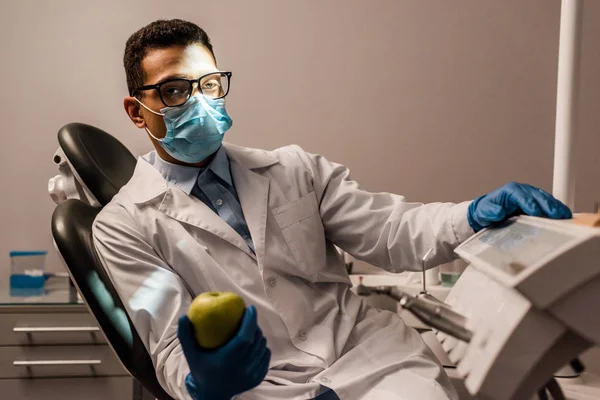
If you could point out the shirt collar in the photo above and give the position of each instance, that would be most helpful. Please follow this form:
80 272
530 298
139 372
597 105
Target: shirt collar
147 183
184 177
220 166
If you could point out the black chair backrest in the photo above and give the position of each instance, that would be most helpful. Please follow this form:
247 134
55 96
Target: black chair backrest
104 165
72 231
102 162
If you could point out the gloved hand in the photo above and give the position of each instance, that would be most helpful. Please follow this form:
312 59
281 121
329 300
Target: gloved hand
237 366
514 199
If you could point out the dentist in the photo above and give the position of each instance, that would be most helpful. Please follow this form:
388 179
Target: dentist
202 215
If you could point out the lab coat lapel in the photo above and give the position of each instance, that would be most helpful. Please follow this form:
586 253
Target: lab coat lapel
253 192
189 210
252 189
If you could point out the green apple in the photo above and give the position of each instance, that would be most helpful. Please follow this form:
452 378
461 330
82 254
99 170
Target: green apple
216 317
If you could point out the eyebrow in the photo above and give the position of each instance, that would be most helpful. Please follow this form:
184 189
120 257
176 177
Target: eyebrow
174 76
182 76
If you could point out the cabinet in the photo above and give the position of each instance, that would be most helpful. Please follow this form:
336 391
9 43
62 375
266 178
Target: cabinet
51 348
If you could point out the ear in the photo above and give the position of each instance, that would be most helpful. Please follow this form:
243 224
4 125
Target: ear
132 108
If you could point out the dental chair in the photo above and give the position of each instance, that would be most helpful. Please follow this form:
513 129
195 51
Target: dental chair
93 166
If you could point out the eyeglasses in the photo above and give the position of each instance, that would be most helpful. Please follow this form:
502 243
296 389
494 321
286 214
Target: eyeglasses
175 92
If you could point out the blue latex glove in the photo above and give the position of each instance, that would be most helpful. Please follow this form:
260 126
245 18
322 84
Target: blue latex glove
237 366
514 199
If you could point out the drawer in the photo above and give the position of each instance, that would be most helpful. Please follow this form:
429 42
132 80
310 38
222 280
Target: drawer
49 328
58 361
67 389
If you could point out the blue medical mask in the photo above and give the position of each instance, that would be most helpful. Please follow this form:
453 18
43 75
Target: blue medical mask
194 130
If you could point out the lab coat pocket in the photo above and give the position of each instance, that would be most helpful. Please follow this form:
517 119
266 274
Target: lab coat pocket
301 226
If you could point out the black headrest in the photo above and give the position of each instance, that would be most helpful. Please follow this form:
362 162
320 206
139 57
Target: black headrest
72 231
103 163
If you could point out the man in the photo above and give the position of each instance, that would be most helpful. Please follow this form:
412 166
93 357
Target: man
199 215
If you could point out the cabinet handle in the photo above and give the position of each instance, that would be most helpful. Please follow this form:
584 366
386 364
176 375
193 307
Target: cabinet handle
55 362
37 329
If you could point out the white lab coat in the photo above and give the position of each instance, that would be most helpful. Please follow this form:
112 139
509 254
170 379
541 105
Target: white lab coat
162 247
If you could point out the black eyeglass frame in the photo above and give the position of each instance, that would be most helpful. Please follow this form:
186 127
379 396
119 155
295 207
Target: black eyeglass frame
191 82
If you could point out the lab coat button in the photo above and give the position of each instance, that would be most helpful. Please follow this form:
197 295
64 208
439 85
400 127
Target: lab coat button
325 380
302 336
219 202
272 282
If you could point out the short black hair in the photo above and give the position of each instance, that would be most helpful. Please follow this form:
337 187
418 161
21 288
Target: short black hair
159 34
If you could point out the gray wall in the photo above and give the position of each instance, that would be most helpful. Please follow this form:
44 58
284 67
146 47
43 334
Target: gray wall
435 100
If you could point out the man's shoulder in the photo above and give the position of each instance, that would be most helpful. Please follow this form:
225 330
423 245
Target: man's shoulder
122 206
118 209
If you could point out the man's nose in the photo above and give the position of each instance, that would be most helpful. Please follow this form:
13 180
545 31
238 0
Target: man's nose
195 89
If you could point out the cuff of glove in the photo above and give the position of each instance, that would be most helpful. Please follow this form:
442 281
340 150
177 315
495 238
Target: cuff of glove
460 222
198 394
476 227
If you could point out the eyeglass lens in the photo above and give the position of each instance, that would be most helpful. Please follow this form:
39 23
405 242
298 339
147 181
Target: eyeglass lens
178 91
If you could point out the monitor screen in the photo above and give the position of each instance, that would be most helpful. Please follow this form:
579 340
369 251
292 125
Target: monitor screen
515 246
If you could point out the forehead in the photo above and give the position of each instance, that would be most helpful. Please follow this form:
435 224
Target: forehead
189 61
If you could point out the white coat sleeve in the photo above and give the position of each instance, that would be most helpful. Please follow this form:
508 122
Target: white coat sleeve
153 295
382 228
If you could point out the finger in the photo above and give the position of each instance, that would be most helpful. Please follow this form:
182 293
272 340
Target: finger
255 354
487 213
245 333
245 353
185 332
248 325
566 212
263 366
562 210
545 201
524 201
259 371
551 207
